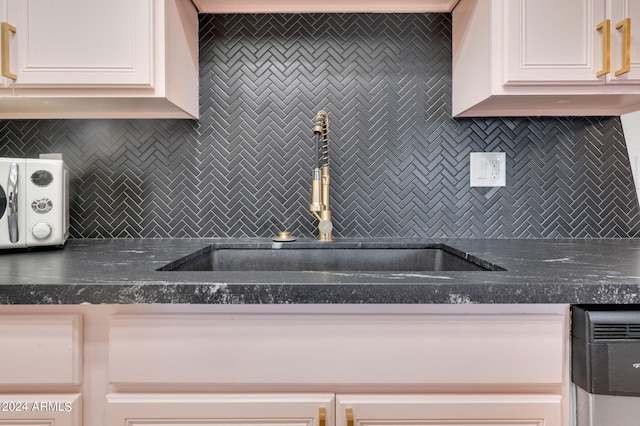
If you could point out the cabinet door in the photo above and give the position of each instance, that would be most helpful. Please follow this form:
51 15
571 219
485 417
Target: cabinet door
452 410
76 43
277 350
4 82
220 409
619 11
552 42
40 350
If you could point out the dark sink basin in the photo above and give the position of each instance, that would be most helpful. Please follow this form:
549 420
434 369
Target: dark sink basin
330 257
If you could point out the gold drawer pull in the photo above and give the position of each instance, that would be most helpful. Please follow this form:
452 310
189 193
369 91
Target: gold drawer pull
605 27
349 417
322 416
625 25
6 29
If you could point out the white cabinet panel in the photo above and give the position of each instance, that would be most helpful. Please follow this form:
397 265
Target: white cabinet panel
543 58
318 409
40 349
220 409
4 82
452 410
501 350
618 11
82 42
101 59
550 41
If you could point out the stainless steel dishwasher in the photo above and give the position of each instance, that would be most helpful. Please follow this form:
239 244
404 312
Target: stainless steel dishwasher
605 364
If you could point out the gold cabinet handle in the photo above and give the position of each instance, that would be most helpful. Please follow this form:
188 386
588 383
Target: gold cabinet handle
322 416
349 412
5 30
605 27
625 25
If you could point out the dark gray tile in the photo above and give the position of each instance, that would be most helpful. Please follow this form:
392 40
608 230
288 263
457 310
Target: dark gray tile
399 161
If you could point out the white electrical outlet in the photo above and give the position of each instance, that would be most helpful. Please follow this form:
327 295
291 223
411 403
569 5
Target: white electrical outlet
488 169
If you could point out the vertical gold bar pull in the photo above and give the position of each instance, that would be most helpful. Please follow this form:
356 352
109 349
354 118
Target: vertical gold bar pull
349 412
322 416
5 30
625 25
605 27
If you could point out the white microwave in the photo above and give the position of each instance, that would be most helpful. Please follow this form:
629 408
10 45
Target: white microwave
34 202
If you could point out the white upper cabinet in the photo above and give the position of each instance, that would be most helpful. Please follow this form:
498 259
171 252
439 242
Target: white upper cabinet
550 41
6 35
580 42
327 6
81 42
625 41
545 57
99 59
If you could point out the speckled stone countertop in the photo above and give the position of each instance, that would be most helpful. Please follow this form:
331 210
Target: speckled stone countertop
123 271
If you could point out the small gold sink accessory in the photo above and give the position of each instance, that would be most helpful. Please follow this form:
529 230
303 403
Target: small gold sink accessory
283 237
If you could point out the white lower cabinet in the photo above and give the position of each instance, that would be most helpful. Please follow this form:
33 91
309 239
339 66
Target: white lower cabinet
220 409
41 369
478 367
319 409
383 365
40 350
449 409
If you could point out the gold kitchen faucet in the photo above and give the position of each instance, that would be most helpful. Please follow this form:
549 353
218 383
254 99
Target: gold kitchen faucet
321 179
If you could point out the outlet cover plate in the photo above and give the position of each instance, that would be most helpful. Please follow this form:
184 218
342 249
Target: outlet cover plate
488 169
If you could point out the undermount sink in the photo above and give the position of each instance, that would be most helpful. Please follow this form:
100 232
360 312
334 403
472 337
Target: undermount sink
330 257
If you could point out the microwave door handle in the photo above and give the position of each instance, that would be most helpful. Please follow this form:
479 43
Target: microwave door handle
12 192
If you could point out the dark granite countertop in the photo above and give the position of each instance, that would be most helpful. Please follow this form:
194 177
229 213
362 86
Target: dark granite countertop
123 271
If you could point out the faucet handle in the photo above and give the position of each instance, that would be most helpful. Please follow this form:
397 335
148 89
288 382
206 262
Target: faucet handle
325 226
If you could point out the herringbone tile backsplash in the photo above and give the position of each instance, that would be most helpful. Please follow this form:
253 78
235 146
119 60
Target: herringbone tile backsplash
399 161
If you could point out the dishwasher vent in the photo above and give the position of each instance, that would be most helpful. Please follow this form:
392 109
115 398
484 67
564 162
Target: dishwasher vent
616 331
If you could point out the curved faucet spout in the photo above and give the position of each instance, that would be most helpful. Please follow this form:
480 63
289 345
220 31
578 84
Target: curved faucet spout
321 132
